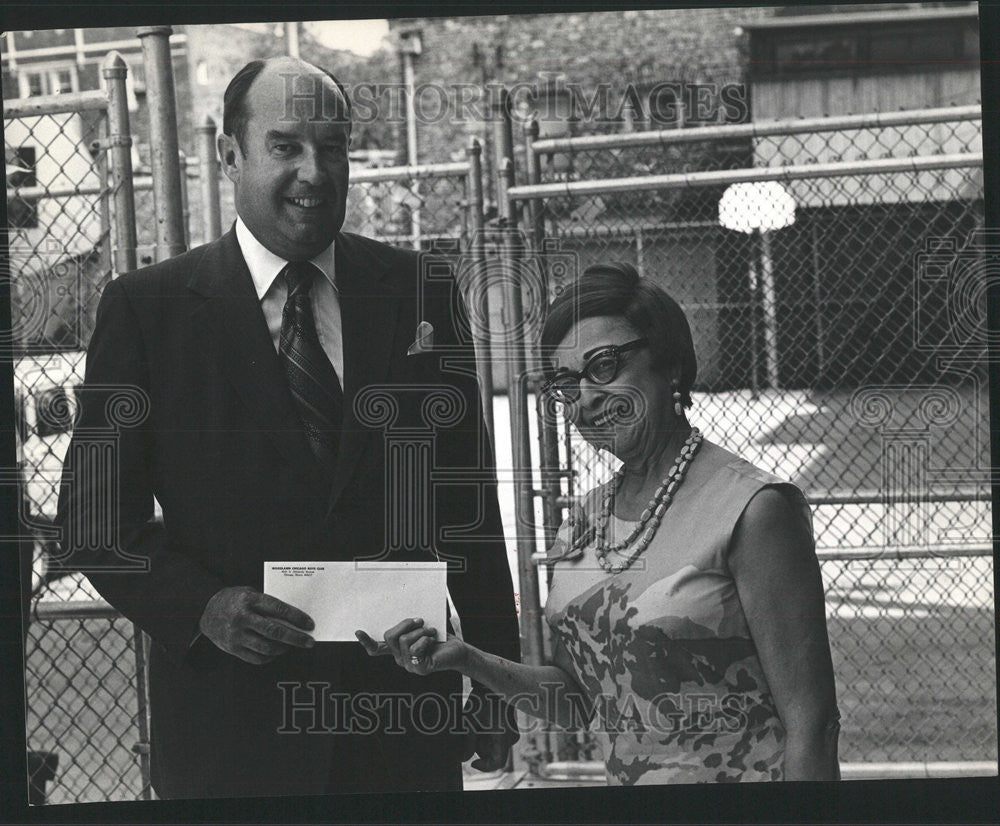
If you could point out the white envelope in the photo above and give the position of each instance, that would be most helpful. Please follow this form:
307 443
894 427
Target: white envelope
343 597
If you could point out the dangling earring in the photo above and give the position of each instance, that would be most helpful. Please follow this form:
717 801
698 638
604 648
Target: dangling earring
678 409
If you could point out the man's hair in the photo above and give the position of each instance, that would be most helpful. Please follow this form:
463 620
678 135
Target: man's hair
615 289
234 108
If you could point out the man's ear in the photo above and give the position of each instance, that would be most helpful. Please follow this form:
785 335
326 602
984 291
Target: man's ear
230 156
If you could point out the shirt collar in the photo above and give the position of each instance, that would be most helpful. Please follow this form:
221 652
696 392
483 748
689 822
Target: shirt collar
265 266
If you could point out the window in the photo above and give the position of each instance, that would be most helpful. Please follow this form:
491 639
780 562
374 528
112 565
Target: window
22 212
63 82
36 84
48 80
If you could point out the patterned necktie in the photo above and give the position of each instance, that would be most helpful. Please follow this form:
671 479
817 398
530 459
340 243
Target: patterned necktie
311 378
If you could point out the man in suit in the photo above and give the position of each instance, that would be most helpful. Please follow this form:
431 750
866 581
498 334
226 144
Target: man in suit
250 361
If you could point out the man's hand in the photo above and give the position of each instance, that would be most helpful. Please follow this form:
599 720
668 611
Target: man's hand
253 626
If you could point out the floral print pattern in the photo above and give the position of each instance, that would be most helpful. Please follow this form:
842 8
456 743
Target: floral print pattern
674 686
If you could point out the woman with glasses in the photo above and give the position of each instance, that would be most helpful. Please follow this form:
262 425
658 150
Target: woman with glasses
686 604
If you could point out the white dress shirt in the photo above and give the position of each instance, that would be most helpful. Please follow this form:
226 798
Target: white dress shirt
272 291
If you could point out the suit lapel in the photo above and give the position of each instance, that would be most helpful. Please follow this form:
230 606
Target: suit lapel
242 343
369 303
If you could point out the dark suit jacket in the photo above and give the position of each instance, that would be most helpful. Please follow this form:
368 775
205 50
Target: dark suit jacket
224 452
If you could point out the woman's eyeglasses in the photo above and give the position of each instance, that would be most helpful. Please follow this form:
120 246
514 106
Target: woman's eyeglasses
601 368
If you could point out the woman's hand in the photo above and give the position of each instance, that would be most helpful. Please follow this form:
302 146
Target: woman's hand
416 649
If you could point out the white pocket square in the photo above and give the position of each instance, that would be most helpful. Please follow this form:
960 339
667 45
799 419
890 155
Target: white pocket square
424 340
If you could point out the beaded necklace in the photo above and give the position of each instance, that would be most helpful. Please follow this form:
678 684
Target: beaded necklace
651 516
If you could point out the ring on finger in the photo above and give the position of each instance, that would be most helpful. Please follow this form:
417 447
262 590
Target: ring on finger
416 659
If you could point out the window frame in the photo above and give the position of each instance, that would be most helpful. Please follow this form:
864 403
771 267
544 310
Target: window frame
48 73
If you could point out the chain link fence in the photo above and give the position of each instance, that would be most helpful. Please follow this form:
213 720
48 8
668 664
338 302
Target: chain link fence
82 712
833 273
829 350
83 706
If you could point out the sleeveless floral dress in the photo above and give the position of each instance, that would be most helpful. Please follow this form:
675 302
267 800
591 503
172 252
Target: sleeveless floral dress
674 686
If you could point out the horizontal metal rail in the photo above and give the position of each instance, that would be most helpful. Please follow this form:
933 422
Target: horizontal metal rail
37 192
75 610
409 173
861 497
878 497
403 238
614 230
758 129
864 18
140 183
89 101
935 551
593 770
883 552
681 180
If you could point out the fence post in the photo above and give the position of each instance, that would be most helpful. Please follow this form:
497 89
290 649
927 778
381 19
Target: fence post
770 307
818 301
504 142
185 204
535 206
754 322
140 647
167 194
99 150
479 306
208 168
114 70
409 48
524 505
548 434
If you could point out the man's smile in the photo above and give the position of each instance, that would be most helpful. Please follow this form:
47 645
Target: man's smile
306 203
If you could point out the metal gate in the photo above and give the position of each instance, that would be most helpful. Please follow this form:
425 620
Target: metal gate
844 352
71 225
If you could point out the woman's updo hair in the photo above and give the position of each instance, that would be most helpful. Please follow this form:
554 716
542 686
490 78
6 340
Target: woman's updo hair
616 289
